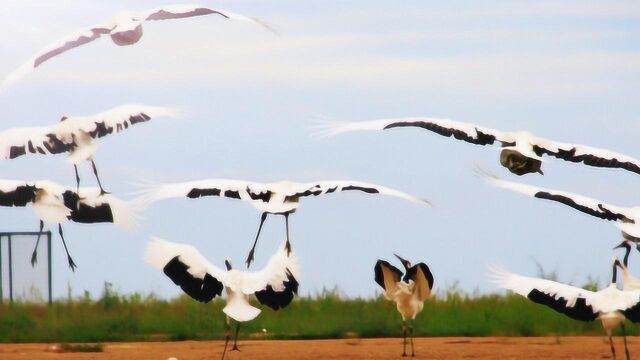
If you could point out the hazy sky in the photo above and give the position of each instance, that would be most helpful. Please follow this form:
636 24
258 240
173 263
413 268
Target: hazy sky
567 70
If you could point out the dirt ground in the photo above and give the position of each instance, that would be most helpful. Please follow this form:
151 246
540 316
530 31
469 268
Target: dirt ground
426 348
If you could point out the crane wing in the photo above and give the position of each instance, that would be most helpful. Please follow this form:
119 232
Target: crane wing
327 187
113 120
586 155
581 203
69 42
179 11
186 267
572 301
276 284
388 277
458 130
422 278
33 140
233 189
17 193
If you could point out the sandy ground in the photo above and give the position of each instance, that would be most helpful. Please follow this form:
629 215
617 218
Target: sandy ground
426 348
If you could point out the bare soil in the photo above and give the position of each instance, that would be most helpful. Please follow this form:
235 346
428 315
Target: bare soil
426 348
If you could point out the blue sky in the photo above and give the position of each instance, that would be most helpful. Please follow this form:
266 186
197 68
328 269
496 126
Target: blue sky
567 71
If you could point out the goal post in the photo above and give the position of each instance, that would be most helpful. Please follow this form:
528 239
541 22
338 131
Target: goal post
18 279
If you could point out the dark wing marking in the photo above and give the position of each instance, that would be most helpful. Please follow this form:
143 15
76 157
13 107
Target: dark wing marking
103 128
164 14
603 212
580 311
482 139
319 190
279 299
264 196
587 159
83 213
95 33
20 196
394 272
633 313
196 193
412 273
203 290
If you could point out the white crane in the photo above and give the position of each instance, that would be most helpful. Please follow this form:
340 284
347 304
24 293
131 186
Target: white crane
521 151
409 291
124 29
75 135
629 282
54 203
627 219
611 305
278 198
273 286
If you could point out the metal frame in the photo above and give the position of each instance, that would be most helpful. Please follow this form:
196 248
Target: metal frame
9 235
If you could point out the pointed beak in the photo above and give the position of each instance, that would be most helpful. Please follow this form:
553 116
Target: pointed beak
540 172
621 245
617 263
404 262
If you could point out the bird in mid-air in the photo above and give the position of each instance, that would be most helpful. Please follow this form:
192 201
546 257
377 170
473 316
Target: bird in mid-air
408 292
75 134
124 29
278 198
521 151
55 203
274 286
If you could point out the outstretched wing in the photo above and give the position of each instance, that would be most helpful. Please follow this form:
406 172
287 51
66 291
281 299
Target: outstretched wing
180 11
33 140
388 277
459 130
113 120
233 189
69 42
422 278
186 267
276 284
586 155
17 193
327 187
581 203
90 207
574 302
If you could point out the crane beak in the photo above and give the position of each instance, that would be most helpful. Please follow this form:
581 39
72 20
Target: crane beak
227 264
621 245
617 263
540 172
404 262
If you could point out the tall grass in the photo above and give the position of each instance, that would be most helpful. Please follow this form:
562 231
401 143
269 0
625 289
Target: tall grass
116 317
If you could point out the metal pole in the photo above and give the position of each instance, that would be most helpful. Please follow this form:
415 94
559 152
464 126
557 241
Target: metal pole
49 265
10 271
1 293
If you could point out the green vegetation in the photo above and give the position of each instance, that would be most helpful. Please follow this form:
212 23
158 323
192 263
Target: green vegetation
116 317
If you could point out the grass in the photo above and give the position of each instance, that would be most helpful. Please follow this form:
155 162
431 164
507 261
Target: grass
135 317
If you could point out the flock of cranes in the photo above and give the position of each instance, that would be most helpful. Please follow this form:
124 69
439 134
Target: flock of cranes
276 285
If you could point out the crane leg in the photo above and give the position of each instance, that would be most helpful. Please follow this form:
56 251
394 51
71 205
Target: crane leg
95 172
253 248
404 338
34 255
72 265
413 351
287 246
235 339
227 334
613 349
624 337
75 167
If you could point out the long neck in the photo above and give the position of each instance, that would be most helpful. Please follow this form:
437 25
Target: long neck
614 278
625 261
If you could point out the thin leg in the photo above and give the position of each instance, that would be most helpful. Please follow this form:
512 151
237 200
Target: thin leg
404 338
72 265
235 339
75 167
613 350
288 244
253 248
624 337
227 334
34 256
95 172
413 351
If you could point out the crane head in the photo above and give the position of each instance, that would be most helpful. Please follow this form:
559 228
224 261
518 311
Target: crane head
404 262
227 264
